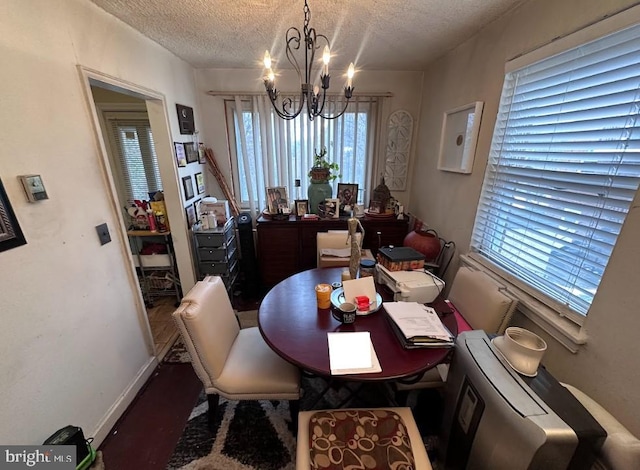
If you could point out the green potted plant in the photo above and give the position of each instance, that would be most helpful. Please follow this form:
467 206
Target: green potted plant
322 169
321 173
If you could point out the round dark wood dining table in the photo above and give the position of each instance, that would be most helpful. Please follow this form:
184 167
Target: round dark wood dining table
293 326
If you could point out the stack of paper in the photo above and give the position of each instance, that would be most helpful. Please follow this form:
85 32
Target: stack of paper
418 326
352 353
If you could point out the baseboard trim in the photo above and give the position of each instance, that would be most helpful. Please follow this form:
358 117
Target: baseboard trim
122 403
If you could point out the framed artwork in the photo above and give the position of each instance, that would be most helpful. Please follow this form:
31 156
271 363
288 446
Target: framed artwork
191 152
332 208
10 233
181 156
302 207
196 205
459 138
190 211
187 185
201 155
277 200
347 194
185 119
200 182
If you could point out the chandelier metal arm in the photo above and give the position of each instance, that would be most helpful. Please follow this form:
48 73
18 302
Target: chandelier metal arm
293 37
315 100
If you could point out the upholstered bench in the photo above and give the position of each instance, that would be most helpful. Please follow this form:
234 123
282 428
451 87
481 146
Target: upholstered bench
375 438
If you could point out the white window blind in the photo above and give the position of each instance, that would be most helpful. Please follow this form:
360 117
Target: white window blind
136 158
563 168
274 152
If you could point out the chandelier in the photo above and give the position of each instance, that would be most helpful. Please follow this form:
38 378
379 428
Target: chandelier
310 94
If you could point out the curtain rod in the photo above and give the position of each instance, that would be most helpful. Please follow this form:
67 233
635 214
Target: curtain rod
382 94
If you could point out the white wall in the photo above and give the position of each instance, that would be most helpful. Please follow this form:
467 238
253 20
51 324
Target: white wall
606 366
73 343
404 86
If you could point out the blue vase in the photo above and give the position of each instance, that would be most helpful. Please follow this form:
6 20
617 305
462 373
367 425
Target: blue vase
318 191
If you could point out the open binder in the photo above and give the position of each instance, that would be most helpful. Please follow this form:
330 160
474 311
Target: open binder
418 326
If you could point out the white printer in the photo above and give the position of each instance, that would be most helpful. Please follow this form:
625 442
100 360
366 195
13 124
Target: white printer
410 286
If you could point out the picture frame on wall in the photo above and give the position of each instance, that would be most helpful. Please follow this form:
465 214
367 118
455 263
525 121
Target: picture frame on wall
196 205
185 119
187 185
302 207
11 235
202 158
200 182
459 138
190 212
181 156
191 152
277 200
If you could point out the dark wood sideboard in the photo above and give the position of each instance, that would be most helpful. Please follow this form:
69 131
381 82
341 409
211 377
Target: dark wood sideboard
286 247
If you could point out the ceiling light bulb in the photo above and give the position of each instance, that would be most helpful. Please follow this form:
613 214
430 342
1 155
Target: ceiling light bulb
350 73
267 60
316 90
271 76
326 55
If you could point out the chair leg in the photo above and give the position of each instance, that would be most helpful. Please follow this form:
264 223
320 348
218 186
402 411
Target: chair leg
294 408
213 400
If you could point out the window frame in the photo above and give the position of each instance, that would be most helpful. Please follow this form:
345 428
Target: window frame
373 136
556 319
110 113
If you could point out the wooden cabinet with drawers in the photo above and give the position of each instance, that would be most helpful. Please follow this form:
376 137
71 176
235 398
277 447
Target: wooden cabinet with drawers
286 247
216 253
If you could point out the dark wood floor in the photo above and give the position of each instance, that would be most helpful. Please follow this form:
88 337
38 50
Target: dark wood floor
147 433
145 436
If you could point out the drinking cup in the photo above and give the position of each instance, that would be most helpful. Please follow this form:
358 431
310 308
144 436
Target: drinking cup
323 295
347 312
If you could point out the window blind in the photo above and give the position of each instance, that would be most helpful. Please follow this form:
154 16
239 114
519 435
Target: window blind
137 158
563 168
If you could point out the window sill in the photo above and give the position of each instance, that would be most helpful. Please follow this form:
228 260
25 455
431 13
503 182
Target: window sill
552 321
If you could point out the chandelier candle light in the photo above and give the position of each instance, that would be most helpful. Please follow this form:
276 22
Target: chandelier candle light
309 93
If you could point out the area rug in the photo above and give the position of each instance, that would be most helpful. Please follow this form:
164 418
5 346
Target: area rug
257 435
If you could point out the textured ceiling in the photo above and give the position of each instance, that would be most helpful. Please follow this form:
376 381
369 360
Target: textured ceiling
375 34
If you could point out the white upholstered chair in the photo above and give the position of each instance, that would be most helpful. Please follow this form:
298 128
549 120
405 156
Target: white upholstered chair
335 240
231 362
483 304
621 449
324 429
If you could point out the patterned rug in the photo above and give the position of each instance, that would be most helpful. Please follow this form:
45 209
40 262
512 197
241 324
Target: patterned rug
258 435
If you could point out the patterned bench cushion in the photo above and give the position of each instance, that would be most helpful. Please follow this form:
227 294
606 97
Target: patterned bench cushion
359 439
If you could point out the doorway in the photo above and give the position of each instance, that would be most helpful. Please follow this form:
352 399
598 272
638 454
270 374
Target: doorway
124 100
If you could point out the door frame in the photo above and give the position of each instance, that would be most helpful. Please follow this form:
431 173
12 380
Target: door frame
158 118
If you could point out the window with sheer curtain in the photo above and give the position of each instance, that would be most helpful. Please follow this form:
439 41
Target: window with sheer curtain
269 151
563 169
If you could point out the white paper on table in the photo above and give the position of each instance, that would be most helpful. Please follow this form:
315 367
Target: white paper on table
416 320
352 353
337 252
362 286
